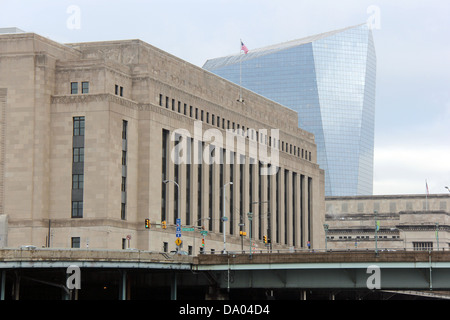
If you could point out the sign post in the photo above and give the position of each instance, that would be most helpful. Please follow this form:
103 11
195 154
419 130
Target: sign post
178 241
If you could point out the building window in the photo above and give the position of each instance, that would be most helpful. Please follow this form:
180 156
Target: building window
124 129
77 181
77 209
164 172
423 246
78 154
124 158
123 211
124 184
121 91
85 87
75 242
78 126
74 88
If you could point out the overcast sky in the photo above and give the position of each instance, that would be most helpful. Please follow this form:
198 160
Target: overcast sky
412 42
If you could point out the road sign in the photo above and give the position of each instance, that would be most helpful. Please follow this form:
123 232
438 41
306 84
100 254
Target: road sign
178 221
203 232
187 229
178 242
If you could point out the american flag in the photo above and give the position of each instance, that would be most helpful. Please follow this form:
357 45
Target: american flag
244 48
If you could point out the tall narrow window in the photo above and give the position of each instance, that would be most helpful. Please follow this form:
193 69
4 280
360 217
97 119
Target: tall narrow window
165 138
176 174
124 158
199 182
124 184
231 204
77 167
77 209
123 214
221 179
85 87
77 181
124 170
78 126
74 88
124 129
78 154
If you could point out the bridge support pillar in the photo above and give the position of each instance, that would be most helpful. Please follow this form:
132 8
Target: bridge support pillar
173 287
302 294
3 285
123 286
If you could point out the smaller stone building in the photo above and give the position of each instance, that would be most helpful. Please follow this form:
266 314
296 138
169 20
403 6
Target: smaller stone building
412 222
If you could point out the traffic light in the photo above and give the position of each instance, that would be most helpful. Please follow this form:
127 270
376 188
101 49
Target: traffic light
203 242
147 223
265 239
243 233
164 224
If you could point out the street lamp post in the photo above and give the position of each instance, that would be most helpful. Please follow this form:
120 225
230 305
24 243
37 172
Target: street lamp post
223 219
178 200
250 218
195 226
178 192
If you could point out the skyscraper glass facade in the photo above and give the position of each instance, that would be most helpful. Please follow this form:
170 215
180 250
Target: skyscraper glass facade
329 79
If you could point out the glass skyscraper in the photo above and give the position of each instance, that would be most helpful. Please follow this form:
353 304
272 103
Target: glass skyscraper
329 79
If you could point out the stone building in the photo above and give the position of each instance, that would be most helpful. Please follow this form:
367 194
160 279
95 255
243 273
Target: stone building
412 222
96 138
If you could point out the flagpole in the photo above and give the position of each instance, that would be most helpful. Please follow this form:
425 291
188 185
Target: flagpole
240 72
426 195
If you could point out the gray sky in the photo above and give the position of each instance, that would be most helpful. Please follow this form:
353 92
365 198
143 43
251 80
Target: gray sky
412 41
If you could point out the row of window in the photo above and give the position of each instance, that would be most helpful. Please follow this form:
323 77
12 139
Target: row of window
78 159
362 237
215 120
74 87
76 243
206 190
409 206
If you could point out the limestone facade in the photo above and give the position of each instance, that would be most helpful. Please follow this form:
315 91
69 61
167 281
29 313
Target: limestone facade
89 134
412 222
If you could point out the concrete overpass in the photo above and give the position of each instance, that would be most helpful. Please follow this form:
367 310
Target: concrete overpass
394 270
127 274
